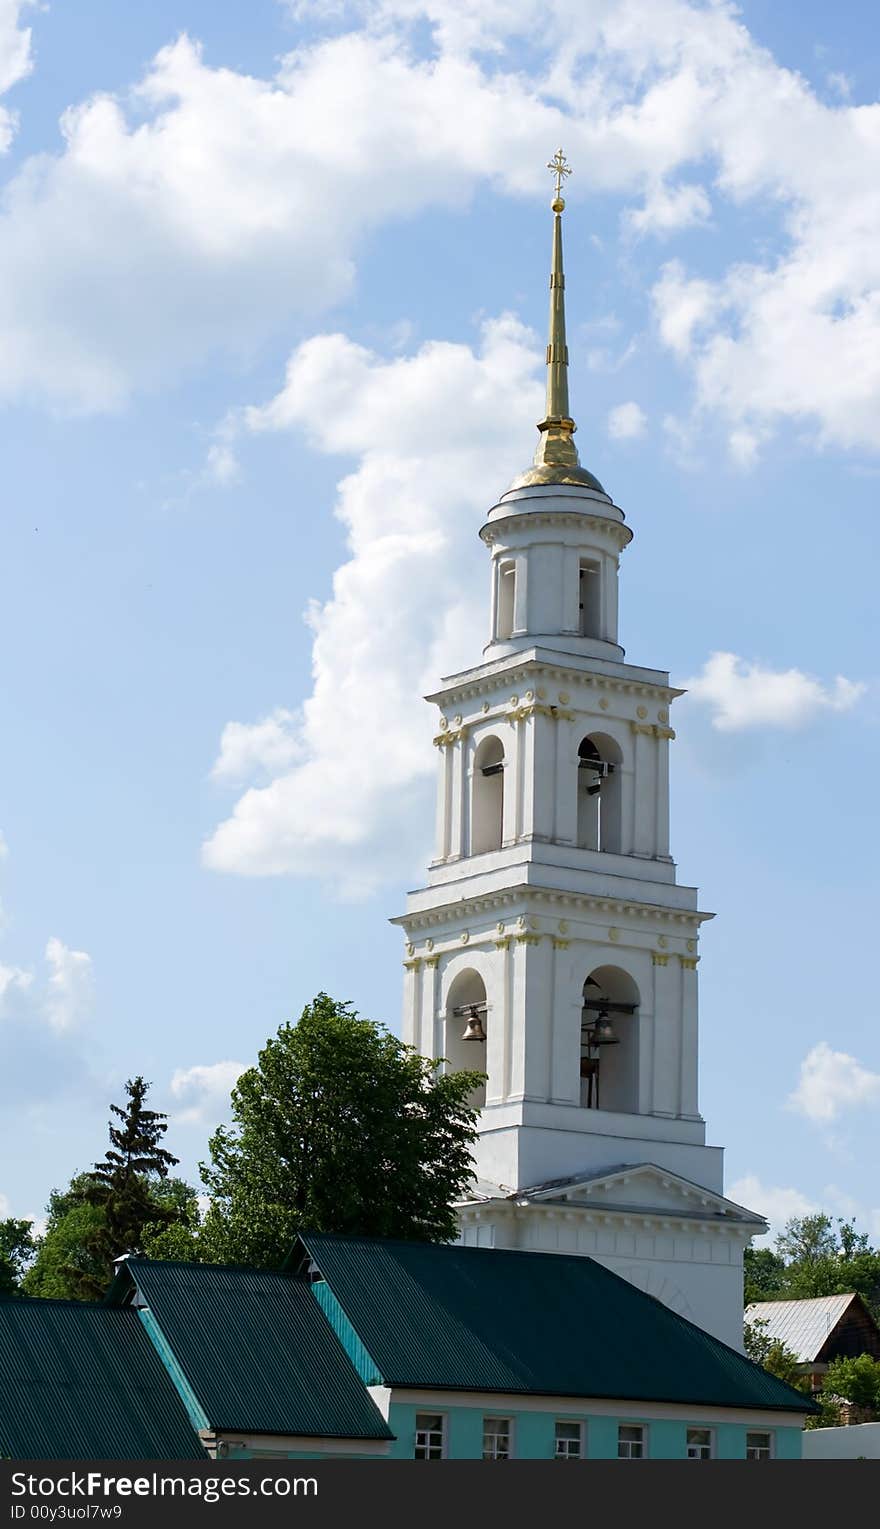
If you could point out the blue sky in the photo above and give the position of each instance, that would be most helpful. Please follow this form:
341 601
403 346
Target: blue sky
272 292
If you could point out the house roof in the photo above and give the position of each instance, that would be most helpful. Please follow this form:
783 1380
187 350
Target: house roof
81 1382
255 1348
803 1326
480 1319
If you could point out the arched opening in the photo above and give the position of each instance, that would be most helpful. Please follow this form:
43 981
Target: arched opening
609 1041
506 600
487 800
589 600
599 793
465 1022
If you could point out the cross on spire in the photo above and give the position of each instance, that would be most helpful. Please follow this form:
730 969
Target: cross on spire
561 168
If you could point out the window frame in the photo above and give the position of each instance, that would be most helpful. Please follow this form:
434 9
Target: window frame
444 1430
765 1433
497 1433
642 1441
580 1425
700 1428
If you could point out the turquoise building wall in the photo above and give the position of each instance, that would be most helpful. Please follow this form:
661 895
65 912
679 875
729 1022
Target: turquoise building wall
534 1434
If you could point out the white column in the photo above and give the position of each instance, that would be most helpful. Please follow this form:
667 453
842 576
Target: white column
431 1041
538 956
410 1028
565 1053
644 791
667 1035
662 840
521 596
571 616
565 805
443 822
460 794
689 1101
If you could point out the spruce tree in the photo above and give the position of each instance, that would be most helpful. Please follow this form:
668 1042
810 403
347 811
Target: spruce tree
123 1188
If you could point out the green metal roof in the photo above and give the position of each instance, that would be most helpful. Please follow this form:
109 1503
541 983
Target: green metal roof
82 1382
256 1350
476 1319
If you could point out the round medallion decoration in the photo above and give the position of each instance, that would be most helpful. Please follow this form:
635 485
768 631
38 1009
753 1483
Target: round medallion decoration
641 711
429 944
458 720
663 716
564 697
485 706
603 702
514 700
464 937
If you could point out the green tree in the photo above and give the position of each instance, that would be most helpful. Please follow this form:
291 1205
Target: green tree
69 1259
772 1354
340 1127
855 1380
17 1247
807 1240
64 1260
764 1275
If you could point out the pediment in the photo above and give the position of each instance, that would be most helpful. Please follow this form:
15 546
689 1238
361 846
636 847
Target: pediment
642 1187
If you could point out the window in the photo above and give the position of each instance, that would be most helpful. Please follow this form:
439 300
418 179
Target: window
496 1439
506 600
430 1436
631 1441
759 1446
487 800
569 1441
699 1444
589 600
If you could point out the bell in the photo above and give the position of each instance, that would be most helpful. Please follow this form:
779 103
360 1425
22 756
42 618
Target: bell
603 1033
473 1030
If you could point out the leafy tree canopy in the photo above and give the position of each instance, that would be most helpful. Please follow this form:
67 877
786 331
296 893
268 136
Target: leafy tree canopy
17 1247
340 1127
855 1380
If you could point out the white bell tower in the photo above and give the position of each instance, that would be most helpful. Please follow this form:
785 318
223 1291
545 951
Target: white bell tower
552 947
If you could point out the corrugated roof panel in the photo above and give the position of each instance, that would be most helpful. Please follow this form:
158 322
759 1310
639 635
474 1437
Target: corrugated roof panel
555 1324
803 1326
257 1350
83 1382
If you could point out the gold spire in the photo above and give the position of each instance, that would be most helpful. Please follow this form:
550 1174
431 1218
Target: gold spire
556 458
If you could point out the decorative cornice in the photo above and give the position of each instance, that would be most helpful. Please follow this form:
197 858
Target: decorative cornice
513 897
526 520
526 671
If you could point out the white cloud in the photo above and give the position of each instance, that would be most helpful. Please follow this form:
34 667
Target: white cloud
192 216
258 748
202 1092
436 435
743 694
69 988
13 979
831 1083
626 422
777 1203
15 61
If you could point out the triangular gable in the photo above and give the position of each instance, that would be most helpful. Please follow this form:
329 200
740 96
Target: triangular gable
640 1186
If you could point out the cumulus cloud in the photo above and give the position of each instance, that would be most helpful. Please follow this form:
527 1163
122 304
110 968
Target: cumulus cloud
831 1083
743 694
69 988
626 422
777 1203
258 748
15 61
435 436
190 215
202 1092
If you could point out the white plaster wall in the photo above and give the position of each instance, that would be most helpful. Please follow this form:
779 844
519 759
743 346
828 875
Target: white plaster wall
861 1441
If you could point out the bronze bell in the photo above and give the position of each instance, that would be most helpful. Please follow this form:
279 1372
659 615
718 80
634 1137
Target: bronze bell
473 1030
